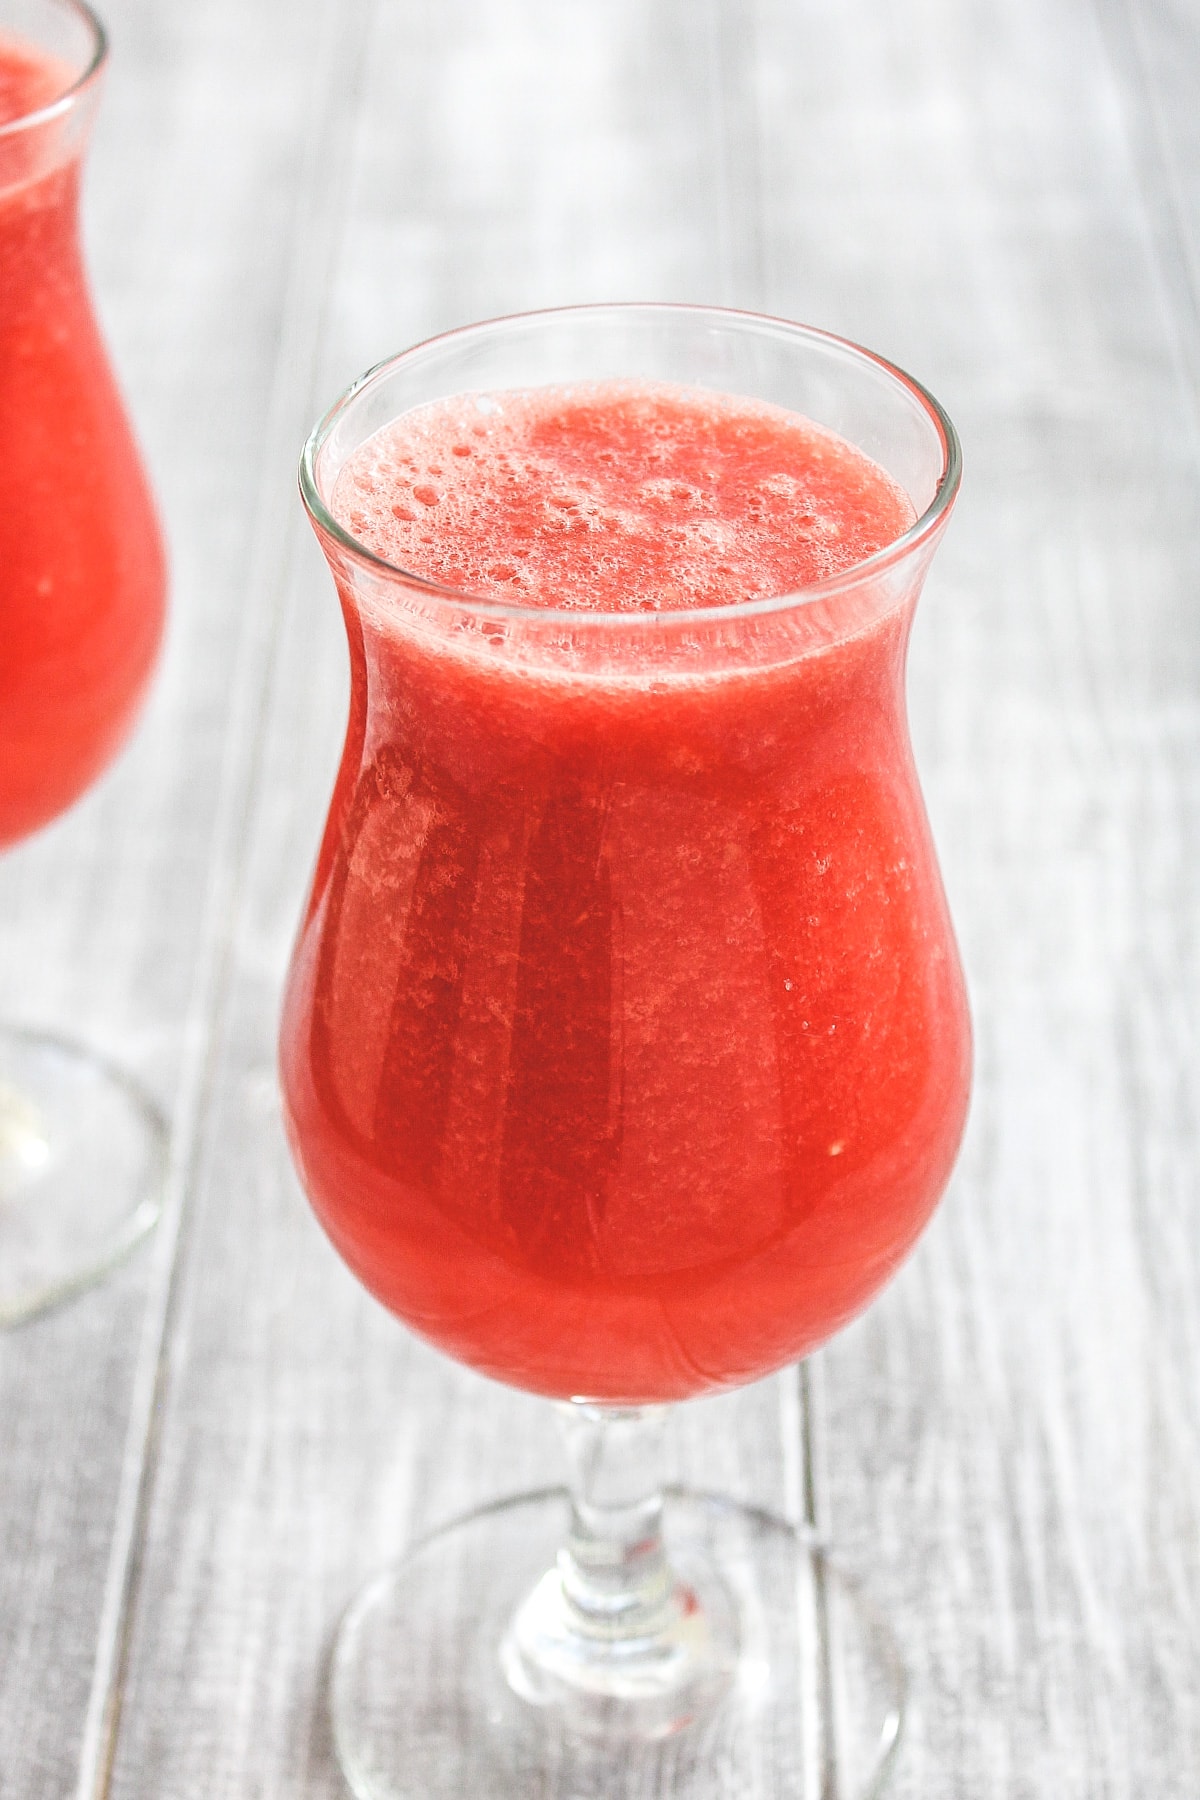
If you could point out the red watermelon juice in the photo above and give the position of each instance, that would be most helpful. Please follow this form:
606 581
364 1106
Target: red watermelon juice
625 1050
81 562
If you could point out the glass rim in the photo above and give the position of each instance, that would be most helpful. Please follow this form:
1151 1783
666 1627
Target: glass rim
868 569
62 103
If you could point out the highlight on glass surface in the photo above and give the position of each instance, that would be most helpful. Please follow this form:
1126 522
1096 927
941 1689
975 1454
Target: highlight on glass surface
625 1050
81 602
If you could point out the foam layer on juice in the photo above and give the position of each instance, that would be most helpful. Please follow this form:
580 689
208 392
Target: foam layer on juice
617 497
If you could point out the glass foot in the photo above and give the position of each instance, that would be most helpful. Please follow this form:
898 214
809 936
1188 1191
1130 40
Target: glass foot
82 1157
800 1690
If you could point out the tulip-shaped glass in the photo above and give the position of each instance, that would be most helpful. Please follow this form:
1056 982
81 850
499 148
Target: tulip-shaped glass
625 1054
81 615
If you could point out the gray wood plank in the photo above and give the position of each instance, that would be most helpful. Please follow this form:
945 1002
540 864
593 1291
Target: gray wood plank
1155 51
115 919
306 1438
1011 1434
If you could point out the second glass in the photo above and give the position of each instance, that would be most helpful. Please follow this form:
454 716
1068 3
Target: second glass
625 1053
82 596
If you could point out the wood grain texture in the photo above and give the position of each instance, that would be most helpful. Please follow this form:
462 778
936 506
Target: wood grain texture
1157 51
205 1457
297 1452
1011 1434
116 921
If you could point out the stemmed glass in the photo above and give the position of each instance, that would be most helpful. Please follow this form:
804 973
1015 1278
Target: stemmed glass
624 1054
81 613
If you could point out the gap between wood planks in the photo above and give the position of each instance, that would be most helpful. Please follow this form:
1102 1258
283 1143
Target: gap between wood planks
327 127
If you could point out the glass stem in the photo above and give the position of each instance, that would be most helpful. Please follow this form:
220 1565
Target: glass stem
617 1585
611 1637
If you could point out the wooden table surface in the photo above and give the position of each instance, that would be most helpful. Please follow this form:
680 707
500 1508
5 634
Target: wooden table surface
205 1456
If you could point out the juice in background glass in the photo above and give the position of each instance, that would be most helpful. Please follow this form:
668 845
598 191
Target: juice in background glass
81 616
625 1051
81 560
